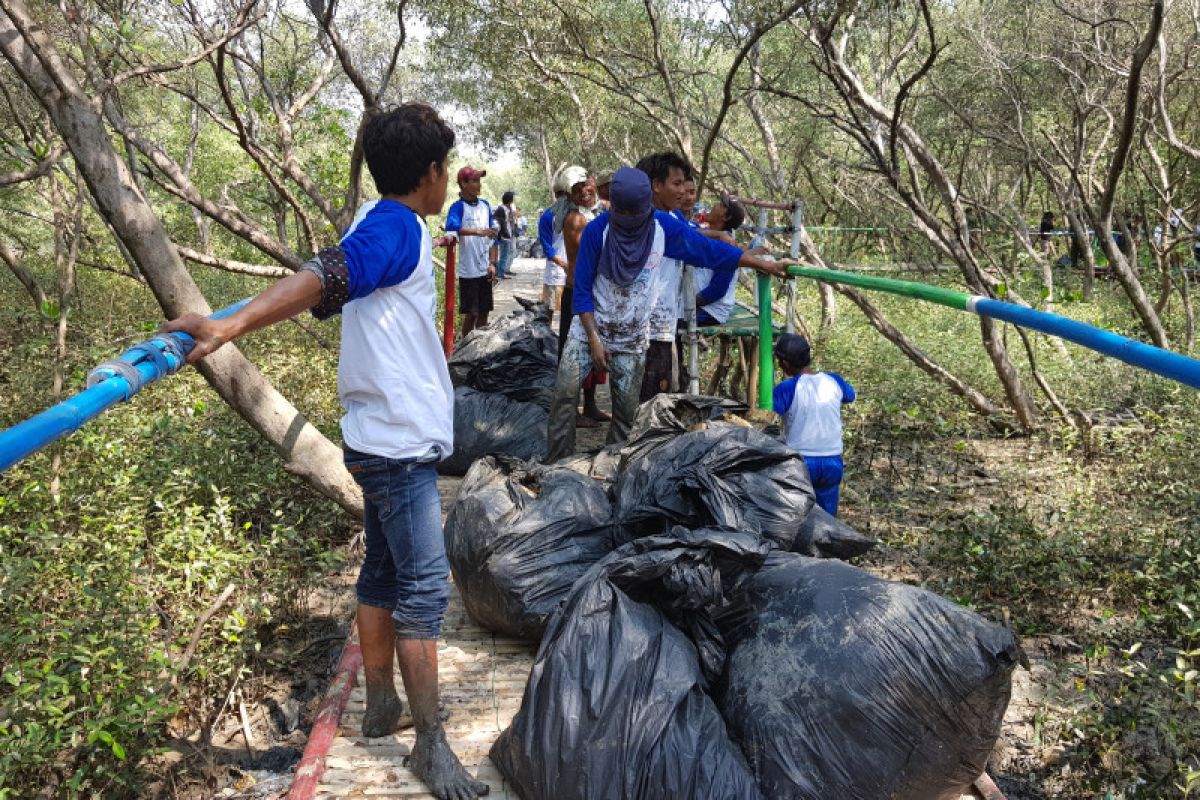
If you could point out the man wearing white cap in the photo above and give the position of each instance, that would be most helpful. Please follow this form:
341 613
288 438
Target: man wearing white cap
554 278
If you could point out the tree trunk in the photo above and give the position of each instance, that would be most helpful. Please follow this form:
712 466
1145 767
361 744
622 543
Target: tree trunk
24 276
1133 288
1082 245
307 453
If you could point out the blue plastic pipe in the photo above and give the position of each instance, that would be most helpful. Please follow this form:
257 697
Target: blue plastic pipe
1162 362
154 359
1171 365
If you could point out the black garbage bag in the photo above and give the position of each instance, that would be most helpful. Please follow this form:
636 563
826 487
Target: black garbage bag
823 535
724 476
486 423
665 416
616 706
602 467
841 684
516 356
518 536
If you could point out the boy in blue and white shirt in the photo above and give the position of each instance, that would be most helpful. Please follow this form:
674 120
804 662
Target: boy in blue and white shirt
810 405
399 421
470 221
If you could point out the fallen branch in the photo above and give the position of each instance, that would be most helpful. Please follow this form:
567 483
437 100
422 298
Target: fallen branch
186 658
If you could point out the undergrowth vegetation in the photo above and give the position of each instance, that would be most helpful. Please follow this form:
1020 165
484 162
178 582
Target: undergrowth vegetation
163 503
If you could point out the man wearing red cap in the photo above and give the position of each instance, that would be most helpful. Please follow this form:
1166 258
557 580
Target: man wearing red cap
470 220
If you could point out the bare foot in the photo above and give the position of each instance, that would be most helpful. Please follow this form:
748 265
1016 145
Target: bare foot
597 414
382 717
435 763
584 421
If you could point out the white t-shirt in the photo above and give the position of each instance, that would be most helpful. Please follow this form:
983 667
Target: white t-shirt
553 274
719 309
667 307
472 250
392 375
811 409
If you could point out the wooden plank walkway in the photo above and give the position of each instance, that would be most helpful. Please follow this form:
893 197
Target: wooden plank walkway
482 679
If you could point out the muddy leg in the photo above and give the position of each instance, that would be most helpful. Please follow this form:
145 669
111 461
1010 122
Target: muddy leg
432 759
377 637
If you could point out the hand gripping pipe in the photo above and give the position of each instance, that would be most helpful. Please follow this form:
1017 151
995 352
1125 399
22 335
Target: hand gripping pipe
108 384
1171 365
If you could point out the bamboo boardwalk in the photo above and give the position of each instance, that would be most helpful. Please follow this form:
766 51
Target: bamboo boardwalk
482 679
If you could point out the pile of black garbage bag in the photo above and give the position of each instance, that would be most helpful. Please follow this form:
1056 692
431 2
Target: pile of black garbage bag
504 376
518 537
700 636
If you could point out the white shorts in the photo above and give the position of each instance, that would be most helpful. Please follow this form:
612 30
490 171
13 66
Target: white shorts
554 275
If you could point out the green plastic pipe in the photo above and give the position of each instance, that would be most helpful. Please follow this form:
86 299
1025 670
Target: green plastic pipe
766 342
920 291
1175 366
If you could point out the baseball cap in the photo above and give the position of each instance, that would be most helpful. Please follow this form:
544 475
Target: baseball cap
793 348
470 173
735 212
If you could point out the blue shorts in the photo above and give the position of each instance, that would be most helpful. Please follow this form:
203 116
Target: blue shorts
826 474
405 568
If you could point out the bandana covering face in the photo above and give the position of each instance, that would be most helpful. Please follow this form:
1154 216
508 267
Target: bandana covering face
630 228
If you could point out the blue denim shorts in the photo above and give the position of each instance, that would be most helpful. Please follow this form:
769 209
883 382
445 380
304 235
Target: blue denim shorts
405 568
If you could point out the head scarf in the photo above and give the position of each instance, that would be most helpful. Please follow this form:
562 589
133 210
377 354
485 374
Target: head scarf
630 228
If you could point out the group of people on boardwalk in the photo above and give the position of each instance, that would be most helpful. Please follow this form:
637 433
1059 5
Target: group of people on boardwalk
623 241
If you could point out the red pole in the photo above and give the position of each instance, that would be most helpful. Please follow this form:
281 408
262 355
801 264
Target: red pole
325 728
448 319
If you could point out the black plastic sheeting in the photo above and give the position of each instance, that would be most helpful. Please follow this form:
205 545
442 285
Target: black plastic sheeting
516 356
518 537
486 424
823 535
617 703
843 685
723 476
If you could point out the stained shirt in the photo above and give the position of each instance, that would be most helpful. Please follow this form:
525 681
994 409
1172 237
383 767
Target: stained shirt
623 314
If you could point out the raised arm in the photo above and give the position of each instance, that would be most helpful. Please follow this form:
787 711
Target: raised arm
692 247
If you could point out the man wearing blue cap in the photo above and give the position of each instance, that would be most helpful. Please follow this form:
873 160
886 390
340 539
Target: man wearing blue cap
615 291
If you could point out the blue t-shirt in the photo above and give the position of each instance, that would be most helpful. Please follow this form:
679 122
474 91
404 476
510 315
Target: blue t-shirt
382 247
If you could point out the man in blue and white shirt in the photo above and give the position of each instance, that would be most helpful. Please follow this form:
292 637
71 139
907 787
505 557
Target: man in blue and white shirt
395 388
616 288
470 221
716 292
669 174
